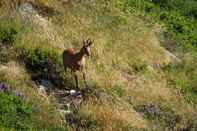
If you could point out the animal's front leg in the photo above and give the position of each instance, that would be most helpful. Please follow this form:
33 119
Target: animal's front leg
76 80
84 78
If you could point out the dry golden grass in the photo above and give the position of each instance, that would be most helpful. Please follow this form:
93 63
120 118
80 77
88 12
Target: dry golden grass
116 49
112 116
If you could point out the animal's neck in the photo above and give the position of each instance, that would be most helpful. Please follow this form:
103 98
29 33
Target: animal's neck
80 55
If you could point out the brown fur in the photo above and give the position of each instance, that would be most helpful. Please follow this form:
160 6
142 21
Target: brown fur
76 61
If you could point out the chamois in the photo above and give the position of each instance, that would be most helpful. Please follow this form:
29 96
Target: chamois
76 60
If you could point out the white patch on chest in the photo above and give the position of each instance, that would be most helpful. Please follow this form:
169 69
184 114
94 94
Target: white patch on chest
82 62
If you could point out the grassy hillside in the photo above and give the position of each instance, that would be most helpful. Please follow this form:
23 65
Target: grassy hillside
143 63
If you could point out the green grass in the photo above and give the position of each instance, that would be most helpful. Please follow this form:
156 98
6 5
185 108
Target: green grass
8 31
15 113
183 76
178 18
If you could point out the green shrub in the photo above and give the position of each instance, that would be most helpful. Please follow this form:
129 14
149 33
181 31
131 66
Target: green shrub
8 31
185 7
117 89
183 76
169 4
178 16
15 113
140 67
182 29
43 63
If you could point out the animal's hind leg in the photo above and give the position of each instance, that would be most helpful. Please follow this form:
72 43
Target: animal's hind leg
65 68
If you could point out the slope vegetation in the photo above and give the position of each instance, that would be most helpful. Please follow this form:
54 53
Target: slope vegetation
136 83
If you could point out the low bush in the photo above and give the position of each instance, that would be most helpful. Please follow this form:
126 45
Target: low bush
15 113
118 90
8 31
140 67
183 76
47 64
178 17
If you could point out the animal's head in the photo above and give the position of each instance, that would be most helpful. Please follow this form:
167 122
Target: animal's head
86 46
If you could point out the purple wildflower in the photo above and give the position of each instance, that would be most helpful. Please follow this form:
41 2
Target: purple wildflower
19 94
4 87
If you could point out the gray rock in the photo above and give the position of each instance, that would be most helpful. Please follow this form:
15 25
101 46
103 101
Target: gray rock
77 100
174 59
152 109
101 95
72 92
46 83
27 8
42 90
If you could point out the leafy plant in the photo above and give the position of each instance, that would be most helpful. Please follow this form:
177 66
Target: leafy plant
178 17
45 64
139 67
118 90
183 76
8 31
15 113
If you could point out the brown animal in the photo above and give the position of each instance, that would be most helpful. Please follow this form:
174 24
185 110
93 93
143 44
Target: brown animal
76 61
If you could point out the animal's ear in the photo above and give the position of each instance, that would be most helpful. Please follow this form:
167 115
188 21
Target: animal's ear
88 41
84 42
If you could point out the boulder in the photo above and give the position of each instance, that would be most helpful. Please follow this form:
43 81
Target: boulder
101 95
27 8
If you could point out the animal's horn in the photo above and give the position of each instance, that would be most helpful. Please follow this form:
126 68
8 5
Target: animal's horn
89 41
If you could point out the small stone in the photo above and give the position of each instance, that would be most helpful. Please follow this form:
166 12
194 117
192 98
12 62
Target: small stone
42 90
46 83
72 92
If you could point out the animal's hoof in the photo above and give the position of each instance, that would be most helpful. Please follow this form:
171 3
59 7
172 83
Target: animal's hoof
77 88
87 86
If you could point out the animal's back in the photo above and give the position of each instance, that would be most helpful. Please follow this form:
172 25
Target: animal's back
68 55
70 51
